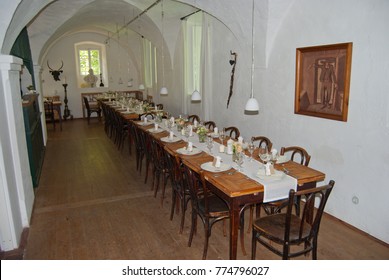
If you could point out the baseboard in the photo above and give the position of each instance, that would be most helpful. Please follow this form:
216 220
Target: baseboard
356 229
16 254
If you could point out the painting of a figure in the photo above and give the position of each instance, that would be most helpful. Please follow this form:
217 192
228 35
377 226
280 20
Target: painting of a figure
322 81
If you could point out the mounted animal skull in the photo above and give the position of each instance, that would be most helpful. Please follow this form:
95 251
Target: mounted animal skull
55 73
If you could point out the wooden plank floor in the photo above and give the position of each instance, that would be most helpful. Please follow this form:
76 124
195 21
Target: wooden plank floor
91 203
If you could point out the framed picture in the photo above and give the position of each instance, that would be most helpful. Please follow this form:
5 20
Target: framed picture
323 81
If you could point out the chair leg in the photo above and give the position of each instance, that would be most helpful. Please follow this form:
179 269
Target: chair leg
250 219
193 227
183 211
253 245
207 233
174 198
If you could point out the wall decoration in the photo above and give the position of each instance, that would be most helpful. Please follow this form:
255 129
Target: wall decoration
233 64
56 73
323 81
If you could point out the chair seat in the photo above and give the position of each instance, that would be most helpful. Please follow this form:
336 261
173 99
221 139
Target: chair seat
217 207
273 227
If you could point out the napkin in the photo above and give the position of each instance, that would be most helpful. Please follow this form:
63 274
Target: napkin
240 139
190 146
190 130
221 148
269 169
216 161
195 123
171 135
128 109
155 126
215 130
145 119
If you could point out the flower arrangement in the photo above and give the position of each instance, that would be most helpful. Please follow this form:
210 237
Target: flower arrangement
202 133
237 147
180 122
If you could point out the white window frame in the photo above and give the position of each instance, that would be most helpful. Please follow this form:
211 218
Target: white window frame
102 57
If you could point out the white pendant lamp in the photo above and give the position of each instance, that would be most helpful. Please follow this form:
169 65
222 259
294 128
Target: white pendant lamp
196 96
252 104
163 90
141 86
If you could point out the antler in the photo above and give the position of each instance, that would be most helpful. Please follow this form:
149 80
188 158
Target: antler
49 66
52 68
61 65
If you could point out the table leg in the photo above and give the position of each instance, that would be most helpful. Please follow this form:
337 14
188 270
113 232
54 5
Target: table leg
234 229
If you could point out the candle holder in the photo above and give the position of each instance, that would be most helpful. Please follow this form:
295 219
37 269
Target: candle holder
66 111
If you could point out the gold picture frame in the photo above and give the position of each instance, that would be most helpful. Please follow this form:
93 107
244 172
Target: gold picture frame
323 81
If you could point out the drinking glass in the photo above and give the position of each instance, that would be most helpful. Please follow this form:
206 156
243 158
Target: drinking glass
251 148
187 130
210 144
263 154
222 135
240 160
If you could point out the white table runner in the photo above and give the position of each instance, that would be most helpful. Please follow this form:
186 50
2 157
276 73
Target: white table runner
276 187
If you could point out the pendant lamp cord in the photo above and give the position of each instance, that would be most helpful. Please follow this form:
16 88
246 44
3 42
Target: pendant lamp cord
252 52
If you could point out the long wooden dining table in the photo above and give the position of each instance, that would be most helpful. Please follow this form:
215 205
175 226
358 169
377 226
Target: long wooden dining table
236 188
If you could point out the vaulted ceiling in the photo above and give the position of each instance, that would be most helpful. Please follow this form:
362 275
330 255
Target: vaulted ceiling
108 17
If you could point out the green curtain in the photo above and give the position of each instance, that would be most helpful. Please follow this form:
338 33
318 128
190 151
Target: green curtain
21 49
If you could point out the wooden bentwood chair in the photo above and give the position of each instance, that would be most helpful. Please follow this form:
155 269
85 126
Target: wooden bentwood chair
210 125
91 109
49 112
290 230
209 207
232 131
192 118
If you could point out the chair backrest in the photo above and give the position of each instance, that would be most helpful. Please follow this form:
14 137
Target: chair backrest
198 192
192 118
149 116
49 109
159 106
294 151
310 217
232 131
86 101
210 125
263 142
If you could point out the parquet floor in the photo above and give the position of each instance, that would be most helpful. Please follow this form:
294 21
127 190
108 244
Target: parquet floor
91 203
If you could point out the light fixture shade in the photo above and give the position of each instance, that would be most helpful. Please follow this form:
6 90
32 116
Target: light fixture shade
141 86
196 96
252 105
163 91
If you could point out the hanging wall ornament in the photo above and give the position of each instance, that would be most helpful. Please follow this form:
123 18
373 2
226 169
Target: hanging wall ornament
233 63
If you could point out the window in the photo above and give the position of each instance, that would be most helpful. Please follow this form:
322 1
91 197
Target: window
90 55
150 63
89 59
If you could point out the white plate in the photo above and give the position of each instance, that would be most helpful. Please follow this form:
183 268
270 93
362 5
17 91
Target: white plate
209 167
144 124
127 113
167 140
152 130
184 151
215 135
262 175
